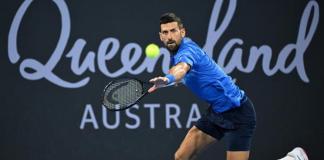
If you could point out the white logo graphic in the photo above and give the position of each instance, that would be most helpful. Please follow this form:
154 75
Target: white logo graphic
105 53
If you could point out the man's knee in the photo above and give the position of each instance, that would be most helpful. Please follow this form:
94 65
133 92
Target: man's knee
193 130
182 156
194 141
237 155
177 156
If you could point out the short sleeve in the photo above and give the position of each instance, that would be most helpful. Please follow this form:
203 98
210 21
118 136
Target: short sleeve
186 56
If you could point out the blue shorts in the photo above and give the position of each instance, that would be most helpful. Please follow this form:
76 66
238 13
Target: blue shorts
236 125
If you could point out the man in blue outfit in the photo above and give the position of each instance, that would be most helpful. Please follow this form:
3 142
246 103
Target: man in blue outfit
231 114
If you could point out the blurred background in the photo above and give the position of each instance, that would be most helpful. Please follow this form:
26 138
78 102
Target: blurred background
57 56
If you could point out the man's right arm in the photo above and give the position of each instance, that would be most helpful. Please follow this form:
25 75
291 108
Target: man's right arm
176 73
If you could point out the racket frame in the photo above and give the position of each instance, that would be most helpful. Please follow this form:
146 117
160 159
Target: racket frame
144 93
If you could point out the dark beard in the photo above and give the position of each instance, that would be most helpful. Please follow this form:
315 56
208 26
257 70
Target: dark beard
174 49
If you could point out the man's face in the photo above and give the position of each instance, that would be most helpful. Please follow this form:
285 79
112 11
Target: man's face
171 35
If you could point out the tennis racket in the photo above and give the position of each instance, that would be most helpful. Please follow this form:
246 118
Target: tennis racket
123 93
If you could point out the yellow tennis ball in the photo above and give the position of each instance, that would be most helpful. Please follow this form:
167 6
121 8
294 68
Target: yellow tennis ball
152 50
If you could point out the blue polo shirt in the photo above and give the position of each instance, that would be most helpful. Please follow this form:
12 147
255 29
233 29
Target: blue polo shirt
206 79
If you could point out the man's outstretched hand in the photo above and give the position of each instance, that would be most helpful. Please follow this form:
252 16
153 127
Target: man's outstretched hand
157 83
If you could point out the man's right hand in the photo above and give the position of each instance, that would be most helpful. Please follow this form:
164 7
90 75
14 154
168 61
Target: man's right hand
157 83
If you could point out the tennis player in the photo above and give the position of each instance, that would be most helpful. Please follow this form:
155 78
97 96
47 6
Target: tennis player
231 113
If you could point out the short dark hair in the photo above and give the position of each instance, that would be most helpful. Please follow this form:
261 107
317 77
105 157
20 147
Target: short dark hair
170 17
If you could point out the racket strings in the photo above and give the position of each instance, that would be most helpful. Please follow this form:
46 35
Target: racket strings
122 93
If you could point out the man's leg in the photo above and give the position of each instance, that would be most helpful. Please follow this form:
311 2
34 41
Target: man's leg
237 155
239 140
194 142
